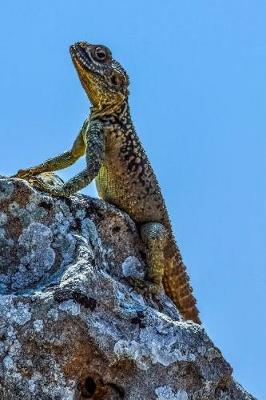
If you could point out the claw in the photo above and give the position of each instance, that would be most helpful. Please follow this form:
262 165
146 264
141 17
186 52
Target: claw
49 189
24 173
35 181
46 188
38 183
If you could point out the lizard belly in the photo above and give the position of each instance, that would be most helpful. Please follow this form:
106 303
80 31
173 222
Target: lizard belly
142 202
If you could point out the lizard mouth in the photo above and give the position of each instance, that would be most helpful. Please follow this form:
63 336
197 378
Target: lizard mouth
80 56
84 68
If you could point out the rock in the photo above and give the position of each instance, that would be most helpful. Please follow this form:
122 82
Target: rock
72 326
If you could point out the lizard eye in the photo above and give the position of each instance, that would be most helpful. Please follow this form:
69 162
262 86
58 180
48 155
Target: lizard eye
100 54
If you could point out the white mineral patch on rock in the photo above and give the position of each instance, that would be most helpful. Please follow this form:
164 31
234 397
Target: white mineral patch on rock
132 267
70 306
38 325
6 189
166 393
8 362
19 314
53 314
3 218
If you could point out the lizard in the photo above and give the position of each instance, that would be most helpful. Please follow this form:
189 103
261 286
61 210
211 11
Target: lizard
116 159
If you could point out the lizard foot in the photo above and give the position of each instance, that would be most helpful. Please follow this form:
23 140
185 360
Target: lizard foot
145 287
26 173
38 183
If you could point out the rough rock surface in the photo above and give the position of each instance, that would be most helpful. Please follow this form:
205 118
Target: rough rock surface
71 324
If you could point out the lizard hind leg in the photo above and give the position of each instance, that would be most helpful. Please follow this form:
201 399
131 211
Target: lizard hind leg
166 269
155 237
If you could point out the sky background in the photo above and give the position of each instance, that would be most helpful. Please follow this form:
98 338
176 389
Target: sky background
198 99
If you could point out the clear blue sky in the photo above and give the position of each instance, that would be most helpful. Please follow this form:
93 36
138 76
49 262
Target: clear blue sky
198 98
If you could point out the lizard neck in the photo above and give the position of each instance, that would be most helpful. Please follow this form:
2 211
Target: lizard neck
119 111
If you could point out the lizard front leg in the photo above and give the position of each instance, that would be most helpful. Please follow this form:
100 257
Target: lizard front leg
95 151
64 160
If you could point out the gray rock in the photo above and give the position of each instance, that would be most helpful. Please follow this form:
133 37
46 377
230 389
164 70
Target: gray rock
72 326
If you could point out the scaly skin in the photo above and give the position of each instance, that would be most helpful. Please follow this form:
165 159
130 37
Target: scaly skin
124 176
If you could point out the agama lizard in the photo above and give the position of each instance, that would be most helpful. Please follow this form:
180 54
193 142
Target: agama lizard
124 176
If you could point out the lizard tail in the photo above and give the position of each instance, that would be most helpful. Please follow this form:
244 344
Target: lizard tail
177 287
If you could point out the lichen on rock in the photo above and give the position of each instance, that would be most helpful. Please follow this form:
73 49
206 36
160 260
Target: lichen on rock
72 325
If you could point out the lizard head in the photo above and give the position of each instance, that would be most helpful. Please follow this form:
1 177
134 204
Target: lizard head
103 78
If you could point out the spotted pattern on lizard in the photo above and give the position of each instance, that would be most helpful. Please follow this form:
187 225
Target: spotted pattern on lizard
124 176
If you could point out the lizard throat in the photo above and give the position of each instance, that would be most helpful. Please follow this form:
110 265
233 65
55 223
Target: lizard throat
116 108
